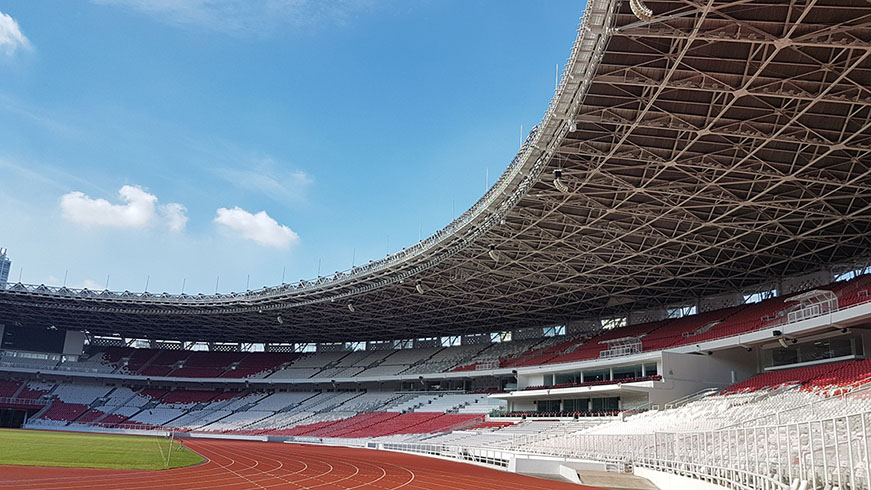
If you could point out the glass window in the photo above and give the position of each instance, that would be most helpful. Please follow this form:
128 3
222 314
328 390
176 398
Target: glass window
761 295
579 405
612 323
603 404
627 372
681 311
548 405
600 375
818 350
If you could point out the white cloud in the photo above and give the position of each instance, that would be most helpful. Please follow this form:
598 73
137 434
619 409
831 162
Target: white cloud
245 17
175 215
11 38
259 227
264 177
139 211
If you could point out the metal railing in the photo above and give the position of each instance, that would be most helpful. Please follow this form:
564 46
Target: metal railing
22 401
783 415
493 457
691 397
53 367
824 453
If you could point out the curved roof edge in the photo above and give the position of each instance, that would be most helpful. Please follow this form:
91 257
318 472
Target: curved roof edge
521 174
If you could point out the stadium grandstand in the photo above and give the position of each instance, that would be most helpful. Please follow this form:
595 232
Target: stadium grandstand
671 278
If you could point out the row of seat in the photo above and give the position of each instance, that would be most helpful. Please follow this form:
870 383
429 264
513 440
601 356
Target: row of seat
820 377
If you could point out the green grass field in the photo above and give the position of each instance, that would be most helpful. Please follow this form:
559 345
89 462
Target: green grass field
78 450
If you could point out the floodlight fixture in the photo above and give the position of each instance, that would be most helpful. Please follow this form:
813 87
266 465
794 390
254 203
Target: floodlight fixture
641 10
558 183
493 253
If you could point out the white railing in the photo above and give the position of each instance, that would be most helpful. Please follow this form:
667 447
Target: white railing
493 457
622 350
813 304
809 411
487 365
52 367
23 401
825 453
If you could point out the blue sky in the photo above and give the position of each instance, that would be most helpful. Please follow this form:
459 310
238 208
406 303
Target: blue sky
190 139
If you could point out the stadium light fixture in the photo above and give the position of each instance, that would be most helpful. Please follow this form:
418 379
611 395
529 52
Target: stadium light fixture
641 10
419 287
493 253
351 307
558 183
785 341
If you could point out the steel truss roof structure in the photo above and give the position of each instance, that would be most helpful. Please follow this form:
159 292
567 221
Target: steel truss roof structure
710 148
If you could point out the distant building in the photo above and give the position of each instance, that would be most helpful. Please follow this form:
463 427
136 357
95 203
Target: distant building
5 267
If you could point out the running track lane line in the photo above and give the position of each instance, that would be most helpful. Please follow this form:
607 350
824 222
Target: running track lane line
245 464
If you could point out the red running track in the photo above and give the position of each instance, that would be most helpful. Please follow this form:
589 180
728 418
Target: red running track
244 464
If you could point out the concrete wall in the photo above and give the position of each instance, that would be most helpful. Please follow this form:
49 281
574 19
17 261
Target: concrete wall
531 464
712 303
629 401
645 316
577 327
532 380
674 482
690 373
74 343
527 405
807 281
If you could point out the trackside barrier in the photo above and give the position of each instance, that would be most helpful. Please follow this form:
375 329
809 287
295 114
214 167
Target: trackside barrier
329 441
468 454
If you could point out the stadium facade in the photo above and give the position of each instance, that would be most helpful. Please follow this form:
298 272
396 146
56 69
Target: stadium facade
672 271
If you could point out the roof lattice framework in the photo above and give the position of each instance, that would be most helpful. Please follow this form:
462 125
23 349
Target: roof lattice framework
718 146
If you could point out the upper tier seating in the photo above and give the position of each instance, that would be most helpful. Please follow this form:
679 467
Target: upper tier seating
789 395
258 364
853 291
12 359
658 335
840 376
494 353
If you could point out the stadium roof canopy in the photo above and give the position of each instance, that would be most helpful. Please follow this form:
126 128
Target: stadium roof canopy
709 148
